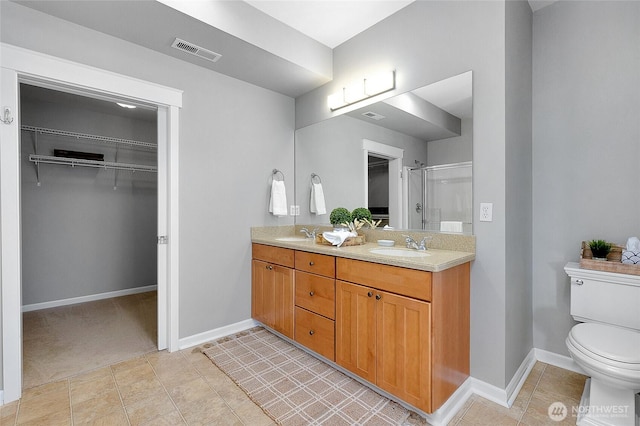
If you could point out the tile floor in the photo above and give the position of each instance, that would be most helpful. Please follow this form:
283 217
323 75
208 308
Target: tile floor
185 387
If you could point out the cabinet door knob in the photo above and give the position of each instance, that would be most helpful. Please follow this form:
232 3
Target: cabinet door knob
311 263
311 293
311 332
269 267
378 297
369 294
579 282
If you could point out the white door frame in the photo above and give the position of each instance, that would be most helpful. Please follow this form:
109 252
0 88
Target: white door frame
22 65
394 155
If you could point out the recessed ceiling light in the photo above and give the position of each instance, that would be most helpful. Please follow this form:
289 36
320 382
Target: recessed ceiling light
126 105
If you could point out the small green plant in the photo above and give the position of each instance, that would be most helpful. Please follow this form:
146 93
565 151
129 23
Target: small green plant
361 213
340 216
599 248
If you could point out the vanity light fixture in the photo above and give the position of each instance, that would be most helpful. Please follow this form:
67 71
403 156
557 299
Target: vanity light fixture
362 89
128 106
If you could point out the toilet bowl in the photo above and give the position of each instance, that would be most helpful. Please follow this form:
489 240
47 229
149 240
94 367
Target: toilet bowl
606 345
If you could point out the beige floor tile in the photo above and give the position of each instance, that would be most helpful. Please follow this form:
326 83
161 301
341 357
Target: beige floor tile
139 372
141 390
250 414
195 390
129 364
172 419
232 394
115 418
94 408
150 408
84 390
538 414
8 413
209 411
484 414
49 400
51 418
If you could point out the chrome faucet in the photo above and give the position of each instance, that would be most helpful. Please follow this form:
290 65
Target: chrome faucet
413 244
311 234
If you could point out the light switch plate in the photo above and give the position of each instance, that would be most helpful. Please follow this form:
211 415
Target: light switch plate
486 212
294 210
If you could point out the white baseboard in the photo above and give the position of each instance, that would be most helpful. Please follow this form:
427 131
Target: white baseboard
217 333
89 298
558 360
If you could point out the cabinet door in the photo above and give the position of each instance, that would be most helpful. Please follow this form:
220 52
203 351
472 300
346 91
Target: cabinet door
272 296
283 300
356 329
404 348
262 293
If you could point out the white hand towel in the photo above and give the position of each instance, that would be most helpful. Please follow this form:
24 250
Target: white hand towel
278 200
450 226
337 237
317 204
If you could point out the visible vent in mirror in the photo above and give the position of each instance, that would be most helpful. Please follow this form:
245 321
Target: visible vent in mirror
373 115
193 49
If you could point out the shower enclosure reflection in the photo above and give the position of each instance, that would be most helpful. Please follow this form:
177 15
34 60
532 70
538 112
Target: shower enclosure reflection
440 197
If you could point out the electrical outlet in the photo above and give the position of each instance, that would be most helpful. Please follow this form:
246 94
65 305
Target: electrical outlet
486 212
294 210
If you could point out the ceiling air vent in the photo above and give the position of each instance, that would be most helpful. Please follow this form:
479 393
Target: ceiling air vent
373 115
201 52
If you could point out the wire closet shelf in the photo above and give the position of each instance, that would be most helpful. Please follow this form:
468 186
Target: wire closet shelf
73 162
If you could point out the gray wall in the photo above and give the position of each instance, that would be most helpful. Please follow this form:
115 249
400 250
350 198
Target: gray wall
232 134
586 109
426 42
519 317
80 236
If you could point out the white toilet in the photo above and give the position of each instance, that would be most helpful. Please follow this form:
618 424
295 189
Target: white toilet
606 345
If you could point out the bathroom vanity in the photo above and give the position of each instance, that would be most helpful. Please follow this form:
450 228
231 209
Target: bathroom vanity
400 323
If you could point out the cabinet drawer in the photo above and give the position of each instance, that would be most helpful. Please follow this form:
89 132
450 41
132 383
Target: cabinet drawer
316 294
277 255
394 279
320 264
315 332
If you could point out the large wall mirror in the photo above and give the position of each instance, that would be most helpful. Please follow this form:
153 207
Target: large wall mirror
407 158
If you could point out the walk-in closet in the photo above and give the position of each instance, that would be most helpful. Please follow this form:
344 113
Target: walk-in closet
89 227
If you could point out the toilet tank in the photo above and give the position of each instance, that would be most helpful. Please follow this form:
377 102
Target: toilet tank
604 297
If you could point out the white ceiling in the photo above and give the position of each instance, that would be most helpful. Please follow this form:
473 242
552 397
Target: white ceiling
331 22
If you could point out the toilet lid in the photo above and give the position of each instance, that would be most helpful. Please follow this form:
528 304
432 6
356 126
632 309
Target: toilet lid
617 344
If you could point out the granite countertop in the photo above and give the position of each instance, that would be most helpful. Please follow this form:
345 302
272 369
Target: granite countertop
438 259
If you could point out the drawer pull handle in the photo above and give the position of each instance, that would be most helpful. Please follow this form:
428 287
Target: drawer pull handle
370 294
378 297
311 293
311 263
579 282
311 332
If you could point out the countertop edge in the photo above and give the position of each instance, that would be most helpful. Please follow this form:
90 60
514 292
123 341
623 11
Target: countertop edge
452 258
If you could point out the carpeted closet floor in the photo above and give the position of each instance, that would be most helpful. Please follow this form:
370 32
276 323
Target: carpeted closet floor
68 340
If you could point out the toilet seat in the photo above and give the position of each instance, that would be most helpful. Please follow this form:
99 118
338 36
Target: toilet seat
586 343
613 343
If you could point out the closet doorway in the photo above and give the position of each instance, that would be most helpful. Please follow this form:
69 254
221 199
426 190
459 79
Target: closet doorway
25 66
89 225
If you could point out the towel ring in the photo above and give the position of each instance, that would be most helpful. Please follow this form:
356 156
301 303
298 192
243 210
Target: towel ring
275 174
313 176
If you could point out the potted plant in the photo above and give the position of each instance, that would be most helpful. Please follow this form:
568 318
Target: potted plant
600 249
340 217
362 214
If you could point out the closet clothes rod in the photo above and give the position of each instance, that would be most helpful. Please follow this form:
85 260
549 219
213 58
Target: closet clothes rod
98 138
46 159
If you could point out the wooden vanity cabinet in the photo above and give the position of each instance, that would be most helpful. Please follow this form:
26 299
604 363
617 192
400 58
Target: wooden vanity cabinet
272 292
412 342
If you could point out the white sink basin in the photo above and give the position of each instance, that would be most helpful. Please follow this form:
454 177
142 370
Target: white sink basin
397 252
294 239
